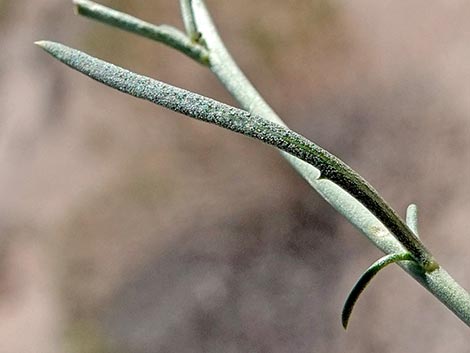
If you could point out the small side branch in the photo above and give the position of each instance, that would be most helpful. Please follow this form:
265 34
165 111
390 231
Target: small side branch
412 218
163 33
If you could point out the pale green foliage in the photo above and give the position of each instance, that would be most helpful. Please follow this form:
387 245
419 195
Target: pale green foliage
202 43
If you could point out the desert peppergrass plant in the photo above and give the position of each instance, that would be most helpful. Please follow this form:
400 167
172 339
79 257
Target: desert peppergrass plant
341 186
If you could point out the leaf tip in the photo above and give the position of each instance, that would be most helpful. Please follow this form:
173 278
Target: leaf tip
41 43
46 45
348 308
345 316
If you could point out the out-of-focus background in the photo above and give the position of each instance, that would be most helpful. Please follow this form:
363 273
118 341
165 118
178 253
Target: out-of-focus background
127 228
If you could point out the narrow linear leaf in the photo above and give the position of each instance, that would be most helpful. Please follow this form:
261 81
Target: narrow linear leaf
188 103
240 121
364 280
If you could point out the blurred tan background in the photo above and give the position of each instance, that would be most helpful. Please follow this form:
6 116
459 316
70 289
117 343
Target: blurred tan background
127 228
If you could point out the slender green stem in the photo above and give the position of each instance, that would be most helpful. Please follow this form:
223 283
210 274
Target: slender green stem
188 20
163 33
365 279
439 282
234 80
227 71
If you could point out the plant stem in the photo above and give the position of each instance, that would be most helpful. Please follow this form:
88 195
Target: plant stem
438 282
230 75
188 20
